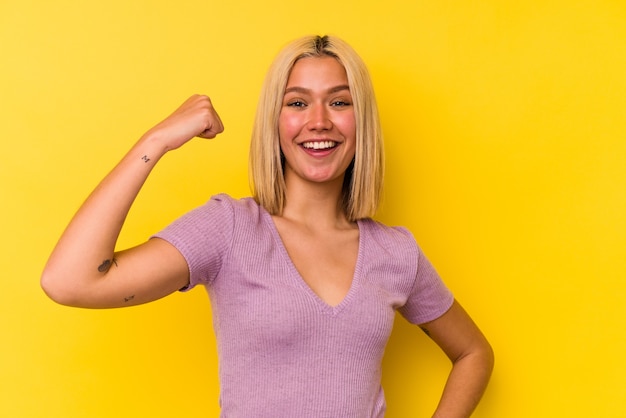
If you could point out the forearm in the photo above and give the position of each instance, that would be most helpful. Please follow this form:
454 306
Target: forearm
85 251
472 361
466 384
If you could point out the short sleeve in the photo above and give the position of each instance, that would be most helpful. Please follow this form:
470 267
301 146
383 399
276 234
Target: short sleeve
429 298
203 236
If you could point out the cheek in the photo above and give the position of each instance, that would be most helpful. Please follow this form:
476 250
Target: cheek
287 126
347 125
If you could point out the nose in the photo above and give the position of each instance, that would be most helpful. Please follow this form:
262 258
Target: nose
319 119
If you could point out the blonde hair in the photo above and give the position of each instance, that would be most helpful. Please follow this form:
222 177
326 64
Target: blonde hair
363 180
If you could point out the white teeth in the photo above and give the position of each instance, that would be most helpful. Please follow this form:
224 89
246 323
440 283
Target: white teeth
319 144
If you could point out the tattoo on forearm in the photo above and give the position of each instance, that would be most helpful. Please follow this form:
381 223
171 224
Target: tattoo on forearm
129 298
106 265
145 158
425 331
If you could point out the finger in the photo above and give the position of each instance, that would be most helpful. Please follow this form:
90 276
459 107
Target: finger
220 125
216 128
206 134
209 133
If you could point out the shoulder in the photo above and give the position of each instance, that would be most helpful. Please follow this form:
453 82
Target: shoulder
388 235
245 207
225 202
392 243
219 213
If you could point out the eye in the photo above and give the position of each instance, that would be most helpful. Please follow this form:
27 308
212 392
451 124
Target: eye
296 103
340 103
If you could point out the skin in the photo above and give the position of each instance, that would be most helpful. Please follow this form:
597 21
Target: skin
317 109
317 112
85 271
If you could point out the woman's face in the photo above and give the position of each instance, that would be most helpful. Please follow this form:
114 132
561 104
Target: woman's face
317 125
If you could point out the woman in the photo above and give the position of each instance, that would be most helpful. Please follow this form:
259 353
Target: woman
304 285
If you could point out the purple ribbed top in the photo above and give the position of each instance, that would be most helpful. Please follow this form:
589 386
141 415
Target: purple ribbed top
283 351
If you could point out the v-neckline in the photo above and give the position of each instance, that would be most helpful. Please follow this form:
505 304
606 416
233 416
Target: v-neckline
323 304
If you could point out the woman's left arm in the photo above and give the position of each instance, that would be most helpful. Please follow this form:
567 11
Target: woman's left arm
472 361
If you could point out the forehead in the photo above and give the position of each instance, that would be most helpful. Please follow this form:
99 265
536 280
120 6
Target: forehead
317 71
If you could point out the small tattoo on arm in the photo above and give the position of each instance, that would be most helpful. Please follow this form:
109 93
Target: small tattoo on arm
106 265
425 331
145 158
129 298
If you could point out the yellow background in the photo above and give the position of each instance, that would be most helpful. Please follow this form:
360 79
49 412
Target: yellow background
505 126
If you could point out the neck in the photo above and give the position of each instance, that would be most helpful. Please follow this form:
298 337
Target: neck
317 205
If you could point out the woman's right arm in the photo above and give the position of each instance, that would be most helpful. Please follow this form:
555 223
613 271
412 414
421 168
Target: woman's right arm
84 270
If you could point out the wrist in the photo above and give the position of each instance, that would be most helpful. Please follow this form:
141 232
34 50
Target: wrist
150 147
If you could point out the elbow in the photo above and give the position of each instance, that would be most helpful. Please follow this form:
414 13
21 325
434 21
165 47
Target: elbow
487 358
57 289
490 357
481 356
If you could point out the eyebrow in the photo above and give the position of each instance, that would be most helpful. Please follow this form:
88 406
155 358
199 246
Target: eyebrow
331 90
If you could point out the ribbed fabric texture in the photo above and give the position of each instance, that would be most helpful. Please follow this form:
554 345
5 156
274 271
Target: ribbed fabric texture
283 351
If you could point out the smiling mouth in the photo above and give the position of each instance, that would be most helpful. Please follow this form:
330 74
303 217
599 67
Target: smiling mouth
319 145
